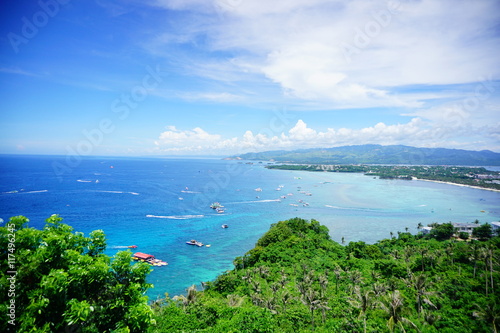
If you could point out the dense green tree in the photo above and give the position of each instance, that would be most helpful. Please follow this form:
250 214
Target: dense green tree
442 231
483 232
64 282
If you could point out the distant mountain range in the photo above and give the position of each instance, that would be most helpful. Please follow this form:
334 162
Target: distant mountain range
377 154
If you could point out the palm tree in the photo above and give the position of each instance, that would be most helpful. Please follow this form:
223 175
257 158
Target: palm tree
379 288
310 299
474 256
323 283
419 283
190 298
490 314
234 300
355 277
422 251
286 298
257 300
363 301
337 271
393 305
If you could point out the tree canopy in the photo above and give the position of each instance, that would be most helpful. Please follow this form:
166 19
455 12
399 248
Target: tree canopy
63 282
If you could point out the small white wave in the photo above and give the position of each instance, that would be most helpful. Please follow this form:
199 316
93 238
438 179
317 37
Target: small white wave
184 191
422 205
336 207
41 191
83 181
10 192
176 217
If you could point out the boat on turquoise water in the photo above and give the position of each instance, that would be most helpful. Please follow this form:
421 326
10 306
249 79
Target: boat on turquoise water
224 226
216 205
258 189
219 210
194 242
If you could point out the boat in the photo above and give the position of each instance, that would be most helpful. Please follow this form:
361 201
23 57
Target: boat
194 242
283 197
148 258
219 210
225 226
132 246
216 205
258 189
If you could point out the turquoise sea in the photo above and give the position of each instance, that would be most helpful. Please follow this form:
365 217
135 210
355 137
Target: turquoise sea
159 204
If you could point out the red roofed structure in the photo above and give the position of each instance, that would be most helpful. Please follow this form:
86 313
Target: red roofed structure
143 256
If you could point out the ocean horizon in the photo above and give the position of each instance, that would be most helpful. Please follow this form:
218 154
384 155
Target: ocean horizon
158 204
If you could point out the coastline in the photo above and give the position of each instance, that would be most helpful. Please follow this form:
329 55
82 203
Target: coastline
456 184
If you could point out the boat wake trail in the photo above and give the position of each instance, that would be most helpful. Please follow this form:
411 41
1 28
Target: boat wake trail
255 201
176 217
119 192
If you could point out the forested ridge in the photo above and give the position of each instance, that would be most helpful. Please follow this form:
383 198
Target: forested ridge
295 279
378 154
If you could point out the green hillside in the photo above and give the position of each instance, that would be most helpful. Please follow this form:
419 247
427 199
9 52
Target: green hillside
297 279
377 154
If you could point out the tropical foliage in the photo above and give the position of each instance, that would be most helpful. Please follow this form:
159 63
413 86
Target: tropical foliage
64 283
297 280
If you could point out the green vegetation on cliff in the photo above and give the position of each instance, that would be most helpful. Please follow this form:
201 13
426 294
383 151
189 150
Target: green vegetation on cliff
297 279
57 280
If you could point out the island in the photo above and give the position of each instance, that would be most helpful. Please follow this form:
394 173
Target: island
478 177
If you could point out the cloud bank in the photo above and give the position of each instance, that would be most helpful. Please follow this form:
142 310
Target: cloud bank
417 132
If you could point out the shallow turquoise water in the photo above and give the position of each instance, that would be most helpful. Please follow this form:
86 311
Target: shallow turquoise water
159 204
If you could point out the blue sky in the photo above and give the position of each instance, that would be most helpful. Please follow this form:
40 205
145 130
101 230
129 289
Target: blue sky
221 77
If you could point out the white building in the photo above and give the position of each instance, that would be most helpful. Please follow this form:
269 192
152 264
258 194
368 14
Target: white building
465 227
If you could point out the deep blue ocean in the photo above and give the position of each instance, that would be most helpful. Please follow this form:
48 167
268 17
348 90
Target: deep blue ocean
159 204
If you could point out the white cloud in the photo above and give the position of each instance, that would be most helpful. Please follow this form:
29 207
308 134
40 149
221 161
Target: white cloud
416 132
337 54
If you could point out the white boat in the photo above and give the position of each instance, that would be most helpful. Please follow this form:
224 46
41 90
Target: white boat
224 226
194 242
258 189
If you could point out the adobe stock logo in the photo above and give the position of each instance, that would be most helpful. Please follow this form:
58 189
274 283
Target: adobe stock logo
31 27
